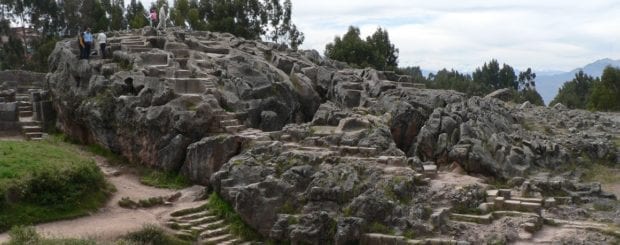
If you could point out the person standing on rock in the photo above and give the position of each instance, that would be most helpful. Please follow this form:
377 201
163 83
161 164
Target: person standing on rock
88 42
162 17
81 44
153 17
102 41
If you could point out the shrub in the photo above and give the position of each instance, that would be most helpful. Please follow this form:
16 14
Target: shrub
222 209
152 234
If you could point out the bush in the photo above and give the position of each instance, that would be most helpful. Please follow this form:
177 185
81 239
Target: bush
46 181
222 209
152 234
168 180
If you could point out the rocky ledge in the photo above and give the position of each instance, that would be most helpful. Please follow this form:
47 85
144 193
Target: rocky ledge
309 150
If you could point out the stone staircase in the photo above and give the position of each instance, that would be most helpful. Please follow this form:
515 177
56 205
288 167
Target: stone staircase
199 225
134 44
227 122
31 129
380 239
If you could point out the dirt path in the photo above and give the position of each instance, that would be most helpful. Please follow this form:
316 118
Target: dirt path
112 221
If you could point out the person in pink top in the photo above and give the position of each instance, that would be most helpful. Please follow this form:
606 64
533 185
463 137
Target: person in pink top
153 17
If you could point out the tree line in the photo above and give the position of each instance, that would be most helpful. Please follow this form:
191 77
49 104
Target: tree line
587 92
250 19
377 51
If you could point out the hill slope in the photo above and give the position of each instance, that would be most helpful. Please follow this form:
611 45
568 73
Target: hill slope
549 85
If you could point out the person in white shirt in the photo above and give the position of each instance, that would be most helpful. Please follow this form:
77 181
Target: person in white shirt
102 40
162 17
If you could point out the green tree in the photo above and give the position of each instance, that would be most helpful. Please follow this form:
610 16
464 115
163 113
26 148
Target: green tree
179 14
195 22
575 93
453 80
136 15
12 55
350 48
376 51
526 87
245 19
605 95
385 54
282 30
73 24
117 22
44 47
414 71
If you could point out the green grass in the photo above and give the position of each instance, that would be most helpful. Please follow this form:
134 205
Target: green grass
27 235
601 173
110 156
222 209
616 141
149 234
162 179
380 228
46 181
148 176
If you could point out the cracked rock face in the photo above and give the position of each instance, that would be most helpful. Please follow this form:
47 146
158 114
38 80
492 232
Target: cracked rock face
305 148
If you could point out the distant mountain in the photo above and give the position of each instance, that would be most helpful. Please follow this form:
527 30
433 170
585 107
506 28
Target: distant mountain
549 83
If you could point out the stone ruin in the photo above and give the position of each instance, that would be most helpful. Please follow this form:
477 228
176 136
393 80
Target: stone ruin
25 106
309 150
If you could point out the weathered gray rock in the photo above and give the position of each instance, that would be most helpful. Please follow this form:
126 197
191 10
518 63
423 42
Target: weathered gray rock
504 94
207 156
9 112
345 148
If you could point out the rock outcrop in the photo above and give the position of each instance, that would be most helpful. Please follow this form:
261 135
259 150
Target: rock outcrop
306 149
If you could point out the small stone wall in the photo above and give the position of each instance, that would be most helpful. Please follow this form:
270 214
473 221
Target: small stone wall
9 119
22 81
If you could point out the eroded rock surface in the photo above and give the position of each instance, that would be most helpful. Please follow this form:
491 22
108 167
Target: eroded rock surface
309 150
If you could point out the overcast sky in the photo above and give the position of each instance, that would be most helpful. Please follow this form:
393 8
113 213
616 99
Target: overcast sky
544 35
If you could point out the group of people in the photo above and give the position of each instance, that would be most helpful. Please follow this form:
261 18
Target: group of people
154 18
86 42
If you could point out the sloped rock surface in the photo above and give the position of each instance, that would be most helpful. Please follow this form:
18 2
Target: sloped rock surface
306 149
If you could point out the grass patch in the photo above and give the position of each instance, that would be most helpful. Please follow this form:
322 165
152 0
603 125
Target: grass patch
601 173
616 142
605 207
150 177
46 181
27 235
222 209
377 227
160 179
110 156
149 234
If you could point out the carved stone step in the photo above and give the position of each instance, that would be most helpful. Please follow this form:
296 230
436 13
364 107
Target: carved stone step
214 232
234 129
218 239
30 123
226 123
33 135
31 129
480 219
25 113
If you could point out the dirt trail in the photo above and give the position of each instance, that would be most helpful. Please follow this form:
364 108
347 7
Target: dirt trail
112 221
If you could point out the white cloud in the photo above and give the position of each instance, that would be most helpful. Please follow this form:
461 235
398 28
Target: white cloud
465 34
548 35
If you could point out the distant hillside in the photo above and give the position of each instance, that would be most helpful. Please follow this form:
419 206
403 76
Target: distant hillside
549 84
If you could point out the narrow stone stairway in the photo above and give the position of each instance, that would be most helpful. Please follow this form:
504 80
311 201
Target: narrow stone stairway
199 225
31 129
